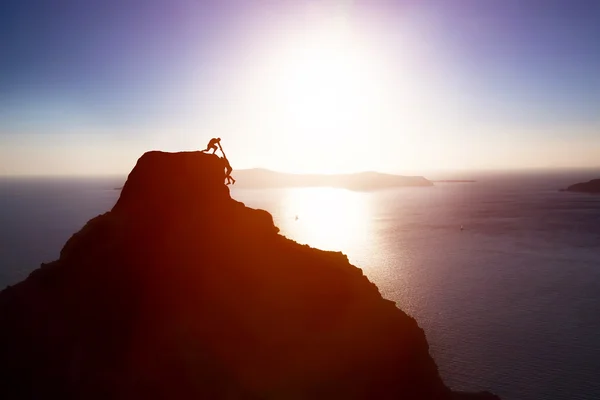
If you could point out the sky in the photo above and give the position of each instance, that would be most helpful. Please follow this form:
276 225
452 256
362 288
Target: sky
300 86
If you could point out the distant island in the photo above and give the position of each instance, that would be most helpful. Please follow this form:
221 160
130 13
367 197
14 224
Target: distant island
259 178
592 186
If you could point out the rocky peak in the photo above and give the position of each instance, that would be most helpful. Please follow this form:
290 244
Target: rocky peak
182 292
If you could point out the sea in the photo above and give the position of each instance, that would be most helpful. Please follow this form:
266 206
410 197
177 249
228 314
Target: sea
503 274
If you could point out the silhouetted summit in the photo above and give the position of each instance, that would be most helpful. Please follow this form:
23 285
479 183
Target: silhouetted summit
180 292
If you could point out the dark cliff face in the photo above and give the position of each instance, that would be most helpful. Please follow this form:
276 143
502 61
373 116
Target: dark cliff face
182 292
592 186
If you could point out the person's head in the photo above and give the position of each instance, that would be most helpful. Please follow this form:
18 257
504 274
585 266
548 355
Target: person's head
218 139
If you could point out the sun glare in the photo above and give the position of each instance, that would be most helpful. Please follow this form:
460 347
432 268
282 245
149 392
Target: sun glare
333 97
329 91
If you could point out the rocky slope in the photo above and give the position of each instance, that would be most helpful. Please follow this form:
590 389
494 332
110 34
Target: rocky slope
182 292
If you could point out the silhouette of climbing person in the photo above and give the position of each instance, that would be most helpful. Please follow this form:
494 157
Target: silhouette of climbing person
213 145
229 179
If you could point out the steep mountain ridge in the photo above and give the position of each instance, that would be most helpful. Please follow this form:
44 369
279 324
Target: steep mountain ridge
182 292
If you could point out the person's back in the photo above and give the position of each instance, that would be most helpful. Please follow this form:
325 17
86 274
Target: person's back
213 145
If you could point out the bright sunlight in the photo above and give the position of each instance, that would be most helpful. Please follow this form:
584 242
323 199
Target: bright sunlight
329 90
332 97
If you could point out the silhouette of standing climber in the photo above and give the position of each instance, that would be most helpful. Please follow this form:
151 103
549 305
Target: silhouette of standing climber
213 144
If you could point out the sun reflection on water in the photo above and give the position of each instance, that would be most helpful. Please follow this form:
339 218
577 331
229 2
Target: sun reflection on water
326 218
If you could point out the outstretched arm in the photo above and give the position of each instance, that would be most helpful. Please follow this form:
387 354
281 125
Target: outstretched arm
221 148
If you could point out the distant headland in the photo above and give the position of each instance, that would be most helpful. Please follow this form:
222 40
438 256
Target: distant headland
454 181
363 181
592 186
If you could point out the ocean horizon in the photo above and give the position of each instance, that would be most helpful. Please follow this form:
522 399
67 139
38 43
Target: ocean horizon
508 303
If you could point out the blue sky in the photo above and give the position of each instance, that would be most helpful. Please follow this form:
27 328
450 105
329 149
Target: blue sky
87 86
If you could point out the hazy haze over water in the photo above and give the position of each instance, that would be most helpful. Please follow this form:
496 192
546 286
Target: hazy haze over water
509 304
